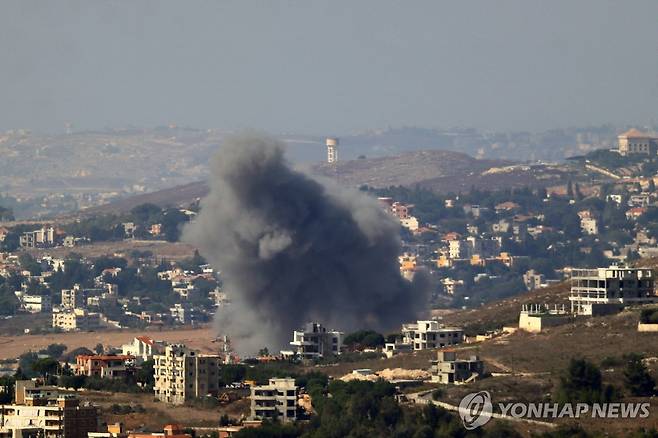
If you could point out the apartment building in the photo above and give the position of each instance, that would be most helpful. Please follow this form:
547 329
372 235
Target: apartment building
314 341
182 374
430 334
41 238
60 417
73 298
602 290
76 319
277 399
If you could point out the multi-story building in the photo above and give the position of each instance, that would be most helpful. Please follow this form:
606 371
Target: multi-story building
41 238
448 369
315 341
73 298
533 279
634 142
143 348
182 374
34 303
597 291
60 417
76 319
424 335
277 399
105 366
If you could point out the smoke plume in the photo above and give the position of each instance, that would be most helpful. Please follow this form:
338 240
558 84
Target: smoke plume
292 249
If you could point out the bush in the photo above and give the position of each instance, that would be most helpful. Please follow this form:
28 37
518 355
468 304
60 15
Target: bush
582 383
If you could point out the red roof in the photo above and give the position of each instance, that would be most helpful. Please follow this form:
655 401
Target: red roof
145 339
105 357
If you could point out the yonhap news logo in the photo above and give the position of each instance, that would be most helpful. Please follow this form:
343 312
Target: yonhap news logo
476 409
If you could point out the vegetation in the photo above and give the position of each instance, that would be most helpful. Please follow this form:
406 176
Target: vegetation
637 378
364 339
368 409
582 383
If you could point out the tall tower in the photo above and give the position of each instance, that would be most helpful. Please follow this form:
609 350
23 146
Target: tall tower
332 150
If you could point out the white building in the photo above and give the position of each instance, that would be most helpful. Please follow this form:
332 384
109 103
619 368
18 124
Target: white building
597 291
277 399
143 348
34 303
314 342
430 334
332 150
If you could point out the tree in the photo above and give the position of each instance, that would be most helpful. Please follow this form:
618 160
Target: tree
582 383
54 350
637 378
570 190
99 349
146 374
45 367
364 339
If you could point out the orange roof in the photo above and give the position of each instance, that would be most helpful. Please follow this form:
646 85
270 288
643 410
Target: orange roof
145 339
105 357
634 133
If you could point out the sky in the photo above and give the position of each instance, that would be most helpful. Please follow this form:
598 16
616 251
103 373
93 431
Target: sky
328 67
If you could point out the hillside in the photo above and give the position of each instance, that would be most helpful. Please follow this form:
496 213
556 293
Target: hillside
442 171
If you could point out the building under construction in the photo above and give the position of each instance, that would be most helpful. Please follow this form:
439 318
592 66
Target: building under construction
605 290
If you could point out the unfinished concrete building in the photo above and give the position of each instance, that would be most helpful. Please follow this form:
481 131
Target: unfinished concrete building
448 369
605 290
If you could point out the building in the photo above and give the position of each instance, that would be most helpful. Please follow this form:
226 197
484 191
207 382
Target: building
589 225
143 348
105 366
184 313
41 238
169 431
410 223
602 290
634 142
76 319
60 417
448 369
536 317
277 399
182 374
430 334
332 150
314 341
34 303
72 298
533 279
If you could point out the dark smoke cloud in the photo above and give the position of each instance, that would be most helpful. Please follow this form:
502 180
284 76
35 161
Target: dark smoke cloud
292 249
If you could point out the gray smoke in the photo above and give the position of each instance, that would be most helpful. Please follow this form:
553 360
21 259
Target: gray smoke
292 249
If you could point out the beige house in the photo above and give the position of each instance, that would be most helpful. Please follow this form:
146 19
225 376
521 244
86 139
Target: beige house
182 374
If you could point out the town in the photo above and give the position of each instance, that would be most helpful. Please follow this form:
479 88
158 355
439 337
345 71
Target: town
328 219
479 247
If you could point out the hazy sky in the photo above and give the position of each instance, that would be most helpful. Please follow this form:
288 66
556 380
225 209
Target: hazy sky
328 66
